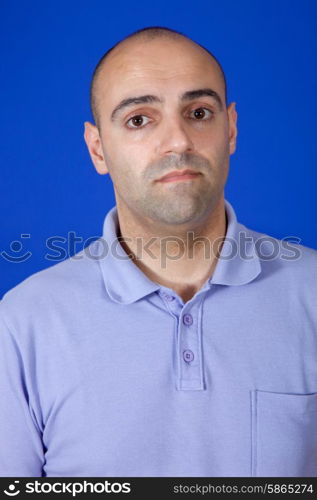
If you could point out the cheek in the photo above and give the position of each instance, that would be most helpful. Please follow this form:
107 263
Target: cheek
125 149
125 166
216 148
213 137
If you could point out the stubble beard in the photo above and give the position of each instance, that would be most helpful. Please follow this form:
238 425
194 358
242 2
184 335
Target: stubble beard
182 204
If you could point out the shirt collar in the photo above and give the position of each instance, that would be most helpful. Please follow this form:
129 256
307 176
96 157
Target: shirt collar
126 283
239 262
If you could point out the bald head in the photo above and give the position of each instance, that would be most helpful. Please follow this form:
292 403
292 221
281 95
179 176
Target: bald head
131 42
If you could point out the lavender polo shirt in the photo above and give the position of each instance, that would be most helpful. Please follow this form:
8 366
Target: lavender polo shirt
103 372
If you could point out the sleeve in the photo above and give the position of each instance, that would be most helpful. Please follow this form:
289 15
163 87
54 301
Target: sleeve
21 448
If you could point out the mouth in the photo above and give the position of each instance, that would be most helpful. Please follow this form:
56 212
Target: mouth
177 176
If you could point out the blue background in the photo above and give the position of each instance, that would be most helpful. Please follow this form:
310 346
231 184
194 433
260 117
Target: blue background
48 52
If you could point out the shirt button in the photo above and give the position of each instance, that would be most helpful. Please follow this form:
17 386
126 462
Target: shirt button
188 355
168 297
187 319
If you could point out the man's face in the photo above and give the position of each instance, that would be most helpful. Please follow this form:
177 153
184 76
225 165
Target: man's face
176 130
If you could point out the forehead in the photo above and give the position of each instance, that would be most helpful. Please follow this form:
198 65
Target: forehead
161 65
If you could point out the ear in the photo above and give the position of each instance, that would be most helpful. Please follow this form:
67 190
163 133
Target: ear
93 141
233 131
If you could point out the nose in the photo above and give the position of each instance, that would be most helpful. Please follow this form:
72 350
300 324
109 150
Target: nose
175 138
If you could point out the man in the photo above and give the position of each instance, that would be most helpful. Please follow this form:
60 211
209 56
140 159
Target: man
182 343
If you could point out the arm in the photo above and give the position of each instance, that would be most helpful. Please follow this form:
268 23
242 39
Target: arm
21 448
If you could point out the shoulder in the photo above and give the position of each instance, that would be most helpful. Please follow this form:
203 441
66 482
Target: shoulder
65 282
292 266
290 253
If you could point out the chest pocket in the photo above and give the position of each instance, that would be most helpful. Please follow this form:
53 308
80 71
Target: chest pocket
284 434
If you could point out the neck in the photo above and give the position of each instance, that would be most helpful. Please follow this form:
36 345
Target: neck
178 257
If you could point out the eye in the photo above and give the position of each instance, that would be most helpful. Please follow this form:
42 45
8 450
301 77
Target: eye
137 121
201 114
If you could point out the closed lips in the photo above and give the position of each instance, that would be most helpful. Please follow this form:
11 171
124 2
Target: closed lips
178 175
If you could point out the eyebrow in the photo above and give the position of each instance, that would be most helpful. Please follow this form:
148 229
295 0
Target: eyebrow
187 96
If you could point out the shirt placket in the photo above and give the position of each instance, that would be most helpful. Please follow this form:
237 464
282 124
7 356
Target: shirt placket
188 340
